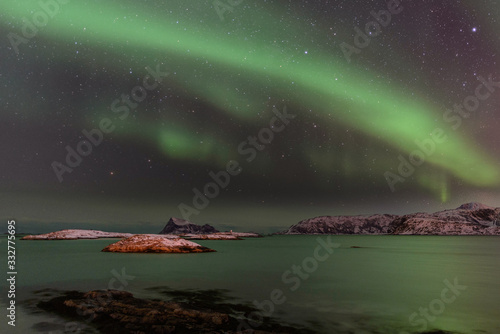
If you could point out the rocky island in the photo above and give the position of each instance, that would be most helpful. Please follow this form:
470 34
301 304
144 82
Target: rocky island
74 234
213 236
181 226
151 243
175 228
191 231
221 236
467 219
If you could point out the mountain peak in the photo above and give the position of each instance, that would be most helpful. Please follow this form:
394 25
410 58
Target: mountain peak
181 226
178 221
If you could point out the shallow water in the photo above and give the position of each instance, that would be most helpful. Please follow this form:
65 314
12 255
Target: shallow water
372 289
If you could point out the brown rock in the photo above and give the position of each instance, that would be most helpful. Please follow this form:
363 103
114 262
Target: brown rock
150 243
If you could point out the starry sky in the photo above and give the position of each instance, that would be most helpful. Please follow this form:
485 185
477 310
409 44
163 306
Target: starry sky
250 115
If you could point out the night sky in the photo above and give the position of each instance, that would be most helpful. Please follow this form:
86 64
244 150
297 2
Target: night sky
313 108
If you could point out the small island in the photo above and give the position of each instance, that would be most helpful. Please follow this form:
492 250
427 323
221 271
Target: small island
182 226
174 229
75 234
191 231
151 243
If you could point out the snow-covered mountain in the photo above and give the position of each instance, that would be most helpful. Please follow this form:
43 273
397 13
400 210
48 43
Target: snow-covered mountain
468 219
375 224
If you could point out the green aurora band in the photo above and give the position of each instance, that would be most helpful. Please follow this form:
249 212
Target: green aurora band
318 80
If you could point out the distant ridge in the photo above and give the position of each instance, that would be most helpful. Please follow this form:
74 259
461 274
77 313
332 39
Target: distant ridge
468 219
181 226
474 206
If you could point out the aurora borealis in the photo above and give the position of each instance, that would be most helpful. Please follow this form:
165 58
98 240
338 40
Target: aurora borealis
229 65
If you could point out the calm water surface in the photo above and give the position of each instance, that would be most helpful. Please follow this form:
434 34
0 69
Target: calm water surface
373 289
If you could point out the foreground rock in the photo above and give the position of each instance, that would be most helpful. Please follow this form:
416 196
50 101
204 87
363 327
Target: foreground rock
468 219
74 234
114 311
151 243
181 226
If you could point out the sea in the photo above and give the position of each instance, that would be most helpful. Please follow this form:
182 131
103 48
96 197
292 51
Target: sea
329 284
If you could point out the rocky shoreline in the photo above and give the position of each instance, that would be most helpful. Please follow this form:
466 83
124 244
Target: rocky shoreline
468 219
113 311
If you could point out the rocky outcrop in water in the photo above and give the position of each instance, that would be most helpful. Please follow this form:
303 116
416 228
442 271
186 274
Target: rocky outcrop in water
221 236
151 243
74 234
468 219
181 226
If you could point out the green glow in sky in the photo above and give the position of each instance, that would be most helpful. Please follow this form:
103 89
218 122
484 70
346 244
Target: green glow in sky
381 110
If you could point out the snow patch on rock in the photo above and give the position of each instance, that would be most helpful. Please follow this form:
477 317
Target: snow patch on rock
73 234
153 243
